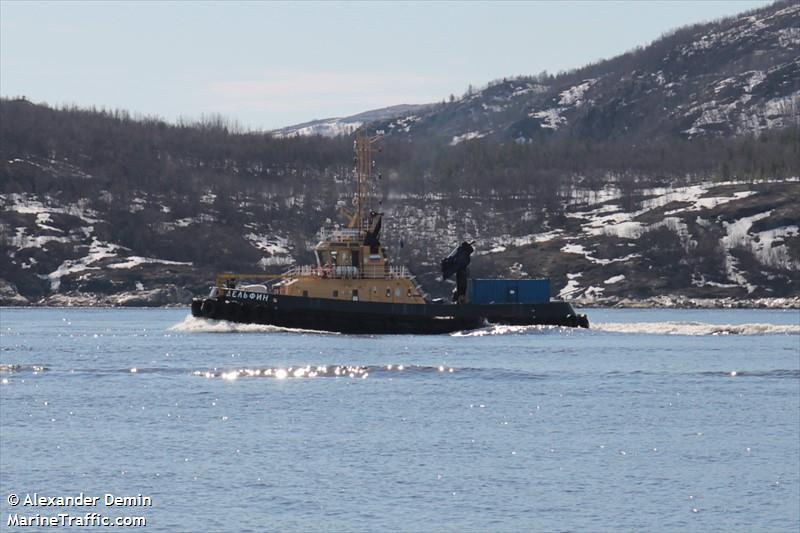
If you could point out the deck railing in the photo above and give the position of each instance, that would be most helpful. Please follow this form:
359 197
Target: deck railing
349 272
341 235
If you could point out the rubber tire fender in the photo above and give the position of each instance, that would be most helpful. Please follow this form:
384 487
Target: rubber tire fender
209 309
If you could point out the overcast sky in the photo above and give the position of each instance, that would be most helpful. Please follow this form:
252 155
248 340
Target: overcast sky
272 64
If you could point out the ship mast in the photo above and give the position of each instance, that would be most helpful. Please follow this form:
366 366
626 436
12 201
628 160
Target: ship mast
364 162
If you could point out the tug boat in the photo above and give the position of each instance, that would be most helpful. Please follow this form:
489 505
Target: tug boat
353 288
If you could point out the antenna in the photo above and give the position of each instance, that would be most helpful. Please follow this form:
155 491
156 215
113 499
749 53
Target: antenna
364 165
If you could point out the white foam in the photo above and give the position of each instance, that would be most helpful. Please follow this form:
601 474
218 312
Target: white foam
192 324
697 328
499 329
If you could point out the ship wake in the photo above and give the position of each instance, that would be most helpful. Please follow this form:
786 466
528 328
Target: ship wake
640 328
697 328
192 324
501 329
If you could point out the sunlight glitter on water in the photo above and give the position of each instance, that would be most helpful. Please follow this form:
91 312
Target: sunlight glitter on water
13 368
527 430
311 371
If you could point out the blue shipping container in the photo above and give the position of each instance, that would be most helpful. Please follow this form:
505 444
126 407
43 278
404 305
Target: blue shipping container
508 291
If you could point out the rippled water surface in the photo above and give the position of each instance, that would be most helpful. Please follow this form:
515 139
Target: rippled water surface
652 420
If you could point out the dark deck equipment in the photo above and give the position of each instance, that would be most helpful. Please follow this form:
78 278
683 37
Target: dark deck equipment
508 291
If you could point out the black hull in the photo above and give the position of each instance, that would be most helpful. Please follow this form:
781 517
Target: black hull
380 318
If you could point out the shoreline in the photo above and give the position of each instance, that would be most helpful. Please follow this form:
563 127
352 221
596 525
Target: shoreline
657 302
684 302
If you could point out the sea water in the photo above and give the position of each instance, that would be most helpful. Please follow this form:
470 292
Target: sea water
650 421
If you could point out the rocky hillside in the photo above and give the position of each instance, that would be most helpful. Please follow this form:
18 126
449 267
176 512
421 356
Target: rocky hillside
707 240
732 76
669 171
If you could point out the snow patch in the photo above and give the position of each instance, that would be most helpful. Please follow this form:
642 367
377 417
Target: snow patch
575 95
327 128
272 245
135 260
529 89
789 37
29 204
21 240
572 248
737 236
572 286
97 250
550 118
502 243
466 137
769 249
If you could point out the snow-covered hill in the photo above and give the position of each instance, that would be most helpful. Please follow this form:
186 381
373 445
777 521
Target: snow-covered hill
733 76
333 127
707 240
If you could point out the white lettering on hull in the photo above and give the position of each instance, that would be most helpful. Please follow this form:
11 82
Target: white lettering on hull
247 296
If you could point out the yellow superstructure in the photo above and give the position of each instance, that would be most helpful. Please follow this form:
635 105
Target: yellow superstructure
351 264
347 269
